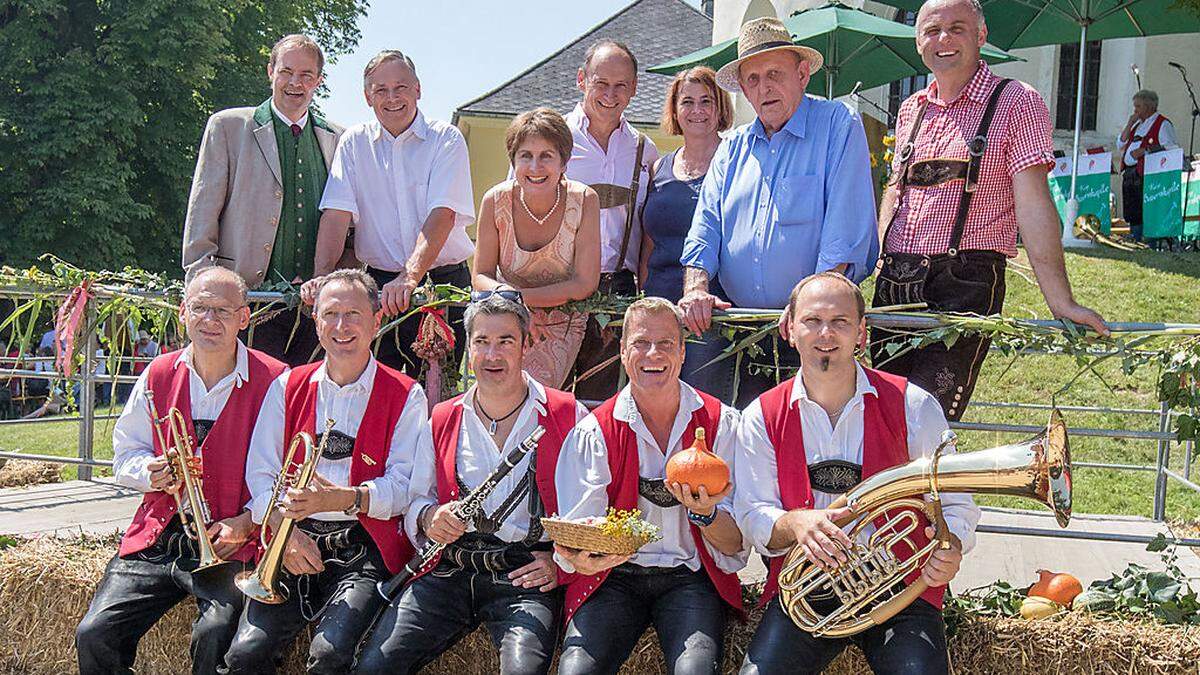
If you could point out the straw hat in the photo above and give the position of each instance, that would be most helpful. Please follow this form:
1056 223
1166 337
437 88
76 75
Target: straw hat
759 37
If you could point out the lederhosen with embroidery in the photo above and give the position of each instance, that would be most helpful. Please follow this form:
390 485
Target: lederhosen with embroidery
481 551
969 281
342 544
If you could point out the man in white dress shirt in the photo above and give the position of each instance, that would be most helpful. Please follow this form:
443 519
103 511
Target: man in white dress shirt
607 150
812 438
348 537
218 386
405 183
496 569
684 583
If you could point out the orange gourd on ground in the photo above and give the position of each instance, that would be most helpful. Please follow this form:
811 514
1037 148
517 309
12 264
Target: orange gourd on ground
696 465
1059 587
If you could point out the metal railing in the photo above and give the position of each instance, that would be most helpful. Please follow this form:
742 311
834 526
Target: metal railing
1162 436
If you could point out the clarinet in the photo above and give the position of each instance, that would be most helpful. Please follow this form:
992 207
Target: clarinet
465 510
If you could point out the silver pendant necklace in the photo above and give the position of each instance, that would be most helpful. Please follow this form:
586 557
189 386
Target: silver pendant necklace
543 219
496 421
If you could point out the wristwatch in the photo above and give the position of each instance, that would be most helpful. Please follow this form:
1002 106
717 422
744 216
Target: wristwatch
356 507
701 520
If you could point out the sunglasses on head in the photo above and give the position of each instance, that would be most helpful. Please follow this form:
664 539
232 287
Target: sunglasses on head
506 293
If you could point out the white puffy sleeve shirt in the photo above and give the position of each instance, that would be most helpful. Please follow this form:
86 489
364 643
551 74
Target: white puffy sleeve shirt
582 479
346 405
757 502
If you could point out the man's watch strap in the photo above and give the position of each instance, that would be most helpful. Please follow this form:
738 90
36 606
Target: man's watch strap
701 520
356 507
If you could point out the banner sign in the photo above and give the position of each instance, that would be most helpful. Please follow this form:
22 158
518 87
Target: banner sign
1162 194
1092 187
1191 192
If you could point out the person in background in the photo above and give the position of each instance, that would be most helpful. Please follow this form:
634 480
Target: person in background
613 159
951 213
1147 130
405 183
787 195
548 247
697 109
259 178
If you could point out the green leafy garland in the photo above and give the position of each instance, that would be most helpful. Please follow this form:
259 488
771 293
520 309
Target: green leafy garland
145 298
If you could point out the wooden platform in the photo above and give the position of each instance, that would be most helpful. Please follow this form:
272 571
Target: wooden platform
101 507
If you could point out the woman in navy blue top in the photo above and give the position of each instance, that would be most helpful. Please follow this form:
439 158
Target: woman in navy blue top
697 109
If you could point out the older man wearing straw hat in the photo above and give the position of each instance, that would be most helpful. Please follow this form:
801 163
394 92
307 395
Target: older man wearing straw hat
787 195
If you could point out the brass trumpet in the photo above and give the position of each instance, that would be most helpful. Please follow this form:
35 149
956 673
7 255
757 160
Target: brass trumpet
868 586
262 583
181 456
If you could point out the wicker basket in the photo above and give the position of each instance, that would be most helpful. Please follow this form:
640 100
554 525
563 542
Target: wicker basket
587 537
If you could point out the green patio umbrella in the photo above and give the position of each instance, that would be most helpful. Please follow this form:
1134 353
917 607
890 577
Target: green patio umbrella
1013 24
857 46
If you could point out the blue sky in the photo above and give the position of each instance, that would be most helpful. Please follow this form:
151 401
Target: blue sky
462 48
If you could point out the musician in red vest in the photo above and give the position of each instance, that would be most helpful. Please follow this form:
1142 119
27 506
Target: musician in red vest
348 535
1146 131
218 385
685 583
497 568
812 438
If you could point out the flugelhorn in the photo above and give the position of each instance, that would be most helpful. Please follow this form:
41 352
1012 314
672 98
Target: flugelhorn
868 589
181 457
262 583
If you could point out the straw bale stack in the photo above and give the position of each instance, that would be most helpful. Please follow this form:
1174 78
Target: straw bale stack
21 472
46 585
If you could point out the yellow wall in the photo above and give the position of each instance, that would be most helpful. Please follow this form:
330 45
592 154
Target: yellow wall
489 160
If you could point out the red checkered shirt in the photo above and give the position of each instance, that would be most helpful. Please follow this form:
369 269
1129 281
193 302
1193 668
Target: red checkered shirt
1018 138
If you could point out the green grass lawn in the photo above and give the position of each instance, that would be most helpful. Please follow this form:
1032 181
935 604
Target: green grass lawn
1142 286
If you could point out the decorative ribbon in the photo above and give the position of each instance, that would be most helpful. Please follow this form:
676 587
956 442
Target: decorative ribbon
434 344
67 324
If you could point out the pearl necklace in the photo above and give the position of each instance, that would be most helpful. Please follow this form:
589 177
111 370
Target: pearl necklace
543 219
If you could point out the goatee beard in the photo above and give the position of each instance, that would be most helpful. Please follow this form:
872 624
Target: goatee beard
824 364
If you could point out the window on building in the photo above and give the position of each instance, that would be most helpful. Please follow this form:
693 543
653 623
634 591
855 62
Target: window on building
902 89
1068 71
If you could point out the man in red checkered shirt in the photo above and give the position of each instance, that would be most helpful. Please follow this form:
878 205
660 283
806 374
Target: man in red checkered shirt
970 171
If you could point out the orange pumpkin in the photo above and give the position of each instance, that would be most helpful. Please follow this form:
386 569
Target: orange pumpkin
1057 586
696 465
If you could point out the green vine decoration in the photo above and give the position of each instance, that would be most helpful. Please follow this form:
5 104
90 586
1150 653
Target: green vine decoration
147 299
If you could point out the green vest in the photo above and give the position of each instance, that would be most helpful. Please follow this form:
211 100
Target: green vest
302 167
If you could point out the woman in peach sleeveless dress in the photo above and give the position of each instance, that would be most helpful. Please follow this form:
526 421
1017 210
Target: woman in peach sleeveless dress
540 234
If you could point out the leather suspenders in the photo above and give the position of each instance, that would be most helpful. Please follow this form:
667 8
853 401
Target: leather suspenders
935 171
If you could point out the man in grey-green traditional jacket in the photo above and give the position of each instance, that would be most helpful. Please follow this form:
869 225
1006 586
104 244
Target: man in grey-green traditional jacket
255 194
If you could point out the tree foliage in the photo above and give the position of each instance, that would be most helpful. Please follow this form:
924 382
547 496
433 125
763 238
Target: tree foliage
102 105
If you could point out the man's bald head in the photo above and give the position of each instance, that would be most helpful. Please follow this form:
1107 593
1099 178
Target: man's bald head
211 277
827 285
974 5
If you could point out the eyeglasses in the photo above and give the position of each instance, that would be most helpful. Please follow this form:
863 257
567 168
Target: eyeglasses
200 311
507 293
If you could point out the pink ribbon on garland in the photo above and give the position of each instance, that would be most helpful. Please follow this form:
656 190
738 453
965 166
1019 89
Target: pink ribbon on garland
67 322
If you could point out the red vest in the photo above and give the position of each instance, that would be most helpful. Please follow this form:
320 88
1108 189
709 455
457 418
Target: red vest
885 444
623 464
371 444
1150 139
558 421
223 451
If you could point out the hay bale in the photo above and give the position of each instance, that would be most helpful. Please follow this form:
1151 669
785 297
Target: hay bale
22 472
46 586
